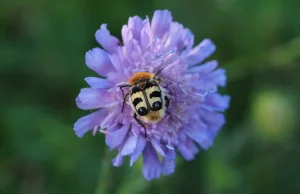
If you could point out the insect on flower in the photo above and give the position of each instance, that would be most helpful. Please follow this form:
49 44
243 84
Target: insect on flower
158 96
147 97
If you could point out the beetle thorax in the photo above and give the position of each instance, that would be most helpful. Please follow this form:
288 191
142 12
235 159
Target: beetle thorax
140 76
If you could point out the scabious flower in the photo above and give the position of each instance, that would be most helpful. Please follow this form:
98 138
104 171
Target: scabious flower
194 115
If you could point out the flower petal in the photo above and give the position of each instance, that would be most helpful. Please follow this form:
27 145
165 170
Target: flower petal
151 164
187 40
96 82
127 36
115 138
145 34
209 81
92 98
108 42
118 160
115 59
87 123
141 143
129 145
168 164
213 120
109 121
201 136
161 22
204 68
136 130
218 77
135 24
216 102
191 145
157 147
179 38
98 60
185 152
201 52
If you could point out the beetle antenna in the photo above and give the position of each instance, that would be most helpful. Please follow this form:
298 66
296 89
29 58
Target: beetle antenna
162 59
158 72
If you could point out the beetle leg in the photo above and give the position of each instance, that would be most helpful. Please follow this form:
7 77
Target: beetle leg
167 100
123 105
124 96
142 124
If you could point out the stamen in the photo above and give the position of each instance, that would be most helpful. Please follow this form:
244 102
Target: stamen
95 130
122 84
169 146
152 41
169 52
164 56
203 95
105 132
200 95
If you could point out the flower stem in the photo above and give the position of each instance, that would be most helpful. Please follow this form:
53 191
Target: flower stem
104 174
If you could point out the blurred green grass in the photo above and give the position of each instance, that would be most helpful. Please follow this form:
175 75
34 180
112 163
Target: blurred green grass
42 48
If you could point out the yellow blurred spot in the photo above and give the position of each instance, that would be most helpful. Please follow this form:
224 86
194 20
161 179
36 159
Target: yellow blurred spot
273 115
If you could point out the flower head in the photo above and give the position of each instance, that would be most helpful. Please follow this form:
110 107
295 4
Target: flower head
194 115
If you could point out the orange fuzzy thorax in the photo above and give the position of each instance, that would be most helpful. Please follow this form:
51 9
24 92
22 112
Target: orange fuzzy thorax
140 76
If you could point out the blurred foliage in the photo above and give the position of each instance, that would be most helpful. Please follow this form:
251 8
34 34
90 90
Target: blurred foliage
42 68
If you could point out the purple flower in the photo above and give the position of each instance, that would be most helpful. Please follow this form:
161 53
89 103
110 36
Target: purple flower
194 115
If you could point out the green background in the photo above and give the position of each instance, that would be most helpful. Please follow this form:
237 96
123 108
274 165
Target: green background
42 68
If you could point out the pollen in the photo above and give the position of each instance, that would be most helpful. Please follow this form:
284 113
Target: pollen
140 76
